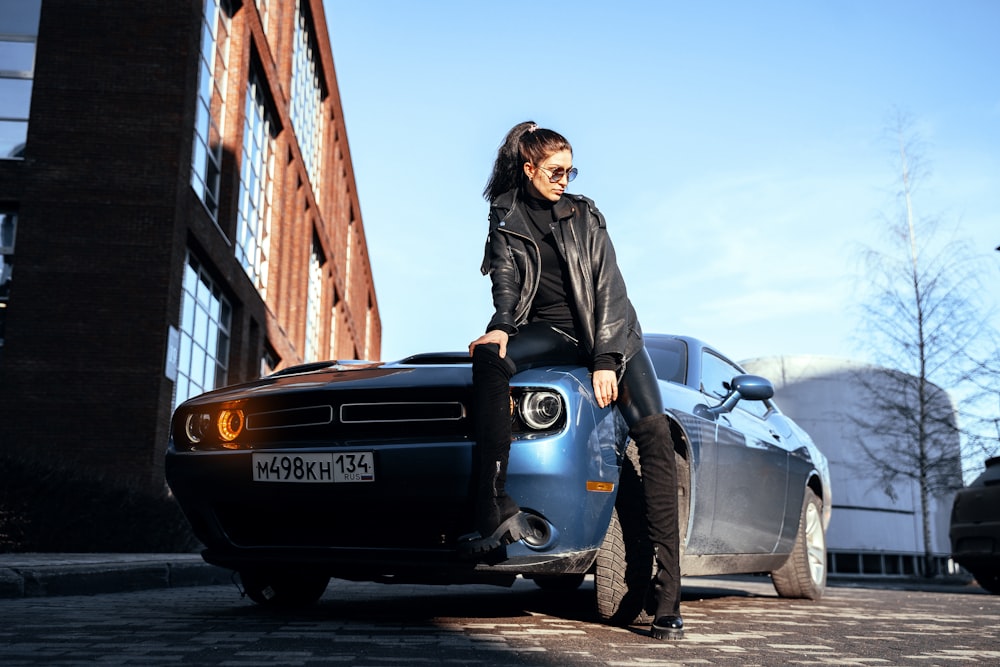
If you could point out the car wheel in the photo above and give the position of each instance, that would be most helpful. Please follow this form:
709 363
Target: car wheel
988 579
624 565
559 583
622 575
282 589
804 573
623 570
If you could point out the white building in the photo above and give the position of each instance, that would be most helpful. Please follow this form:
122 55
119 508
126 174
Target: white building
871 532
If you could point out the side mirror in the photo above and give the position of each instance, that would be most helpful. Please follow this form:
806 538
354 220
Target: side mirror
752 387
742 387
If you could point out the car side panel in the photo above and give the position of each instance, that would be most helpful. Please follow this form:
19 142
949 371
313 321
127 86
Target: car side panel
752 487
701 508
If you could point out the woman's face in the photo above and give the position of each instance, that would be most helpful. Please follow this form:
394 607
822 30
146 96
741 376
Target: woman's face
540 175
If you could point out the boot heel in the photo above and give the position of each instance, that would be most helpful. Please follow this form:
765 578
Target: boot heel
510 530
518 529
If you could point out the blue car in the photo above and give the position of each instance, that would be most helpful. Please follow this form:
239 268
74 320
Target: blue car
362 471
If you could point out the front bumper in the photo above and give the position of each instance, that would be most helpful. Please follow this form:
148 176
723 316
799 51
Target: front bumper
405 524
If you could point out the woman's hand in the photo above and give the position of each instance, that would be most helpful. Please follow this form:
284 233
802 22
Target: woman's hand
496 337
605 387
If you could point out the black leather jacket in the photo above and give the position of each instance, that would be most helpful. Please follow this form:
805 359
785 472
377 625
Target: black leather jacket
608 321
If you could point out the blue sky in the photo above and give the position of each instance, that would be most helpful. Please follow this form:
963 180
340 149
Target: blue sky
737 149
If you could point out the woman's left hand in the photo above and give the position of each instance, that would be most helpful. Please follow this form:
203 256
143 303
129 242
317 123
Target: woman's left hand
605 387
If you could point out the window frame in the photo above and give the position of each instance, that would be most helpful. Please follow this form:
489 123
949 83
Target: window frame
307 95
203 304
314 302
210 104
14 121
256 187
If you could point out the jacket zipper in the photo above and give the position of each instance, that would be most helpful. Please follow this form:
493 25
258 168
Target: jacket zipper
534 286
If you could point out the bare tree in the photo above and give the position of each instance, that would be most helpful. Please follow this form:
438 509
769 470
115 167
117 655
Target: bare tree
936 353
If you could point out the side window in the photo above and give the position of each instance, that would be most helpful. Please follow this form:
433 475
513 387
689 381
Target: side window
716 374
669 359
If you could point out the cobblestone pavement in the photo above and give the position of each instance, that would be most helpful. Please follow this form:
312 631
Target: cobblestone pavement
729 622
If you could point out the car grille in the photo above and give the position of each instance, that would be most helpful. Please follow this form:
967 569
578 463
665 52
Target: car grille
370 413
350 419
311 416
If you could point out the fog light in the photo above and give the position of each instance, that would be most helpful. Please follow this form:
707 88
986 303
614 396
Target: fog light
542 535
230 424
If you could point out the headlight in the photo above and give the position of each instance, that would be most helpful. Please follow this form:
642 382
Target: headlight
197 425
212 429
540 409
230 424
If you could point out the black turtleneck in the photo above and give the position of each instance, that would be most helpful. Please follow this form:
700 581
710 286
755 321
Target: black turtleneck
554 299
554 296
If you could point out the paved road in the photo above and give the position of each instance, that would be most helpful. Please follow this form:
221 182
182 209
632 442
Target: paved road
729 622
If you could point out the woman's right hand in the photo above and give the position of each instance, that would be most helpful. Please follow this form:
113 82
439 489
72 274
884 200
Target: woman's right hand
495 337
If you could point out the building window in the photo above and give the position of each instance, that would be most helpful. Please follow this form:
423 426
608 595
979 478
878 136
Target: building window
333 324
268 362
256 187
349 254
307 95
8 232
206 156
369 328
206 318
18 35
314 302
882 564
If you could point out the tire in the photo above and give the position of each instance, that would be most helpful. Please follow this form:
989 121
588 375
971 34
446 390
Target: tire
283 590
625 564
988 580
804 573
622 577
559 583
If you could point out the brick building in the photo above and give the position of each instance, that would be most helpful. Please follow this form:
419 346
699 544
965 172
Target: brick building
177 212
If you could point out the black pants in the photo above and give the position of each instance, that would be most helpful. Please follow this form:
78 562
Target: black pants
641 406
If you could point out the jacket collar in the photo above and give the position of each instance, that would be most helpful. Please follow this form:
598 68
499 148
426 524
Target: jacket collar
564 208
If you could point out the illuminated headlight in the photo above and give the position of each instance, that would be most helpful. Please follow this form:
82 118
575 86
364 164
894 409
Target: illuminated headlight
230 424
540 409
197 426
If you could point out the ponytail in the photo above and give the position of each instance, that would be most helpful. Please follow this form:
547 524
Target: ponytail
525 142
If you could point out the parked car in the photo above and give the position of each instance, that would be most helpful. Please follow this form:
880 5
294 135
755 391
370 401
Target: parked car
975 527
362 471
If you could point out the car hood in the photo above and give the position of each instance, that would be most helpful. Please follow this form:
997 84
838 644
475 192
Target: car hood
349 376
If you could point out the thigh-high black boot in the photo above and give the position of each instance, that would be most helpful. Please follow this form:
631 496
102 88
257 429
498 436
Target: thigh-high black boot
499 520
659 480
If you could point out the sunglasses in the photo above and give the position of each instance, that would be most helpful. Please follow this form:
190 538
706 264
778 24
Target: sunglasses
556 175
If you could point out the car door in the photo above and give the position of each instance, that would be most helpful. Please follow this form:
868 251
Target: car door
751 468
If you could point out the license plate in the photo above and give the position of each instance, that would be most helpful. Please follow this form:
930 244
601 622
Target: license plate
327 467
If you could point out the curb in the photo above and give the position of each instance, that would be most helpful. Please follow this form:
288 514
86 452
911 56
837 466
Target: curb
42 575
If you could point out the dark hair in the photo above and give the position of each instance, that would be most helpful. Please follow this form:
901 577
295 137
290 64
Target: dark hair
526 142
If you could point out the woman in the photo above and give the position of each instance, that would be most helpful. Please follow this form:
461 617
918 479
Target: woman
559 297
